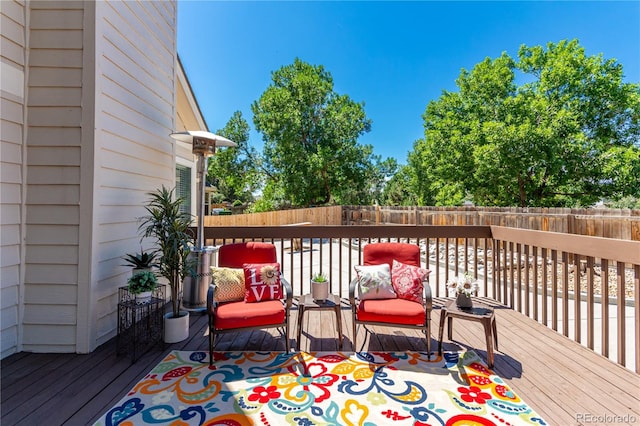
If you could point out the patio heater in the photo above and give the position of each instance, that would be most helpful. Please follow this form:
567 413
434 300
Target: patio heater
196 284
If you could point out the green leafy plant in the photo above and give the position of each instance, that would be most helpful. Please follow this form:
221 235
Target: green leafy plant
171 228
142 281
142 260
319 277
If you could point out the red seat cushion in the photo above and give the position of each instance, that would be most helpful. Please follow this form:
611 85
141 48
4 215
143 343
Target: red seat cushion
395 311
241 314
377 253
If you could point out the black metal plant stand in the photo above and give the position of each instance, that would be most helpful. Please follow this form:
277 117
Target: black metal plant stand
140 326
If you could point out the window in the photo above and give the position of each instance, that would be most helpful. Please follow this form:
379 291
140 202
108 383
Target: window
183 187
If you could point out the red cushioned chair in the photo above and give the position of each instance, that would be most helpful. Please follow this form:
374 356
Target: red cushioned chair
392 312
241 316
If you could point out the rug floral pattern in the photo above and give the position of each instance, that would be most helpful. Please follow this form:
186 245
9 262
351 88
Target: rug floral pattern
304 389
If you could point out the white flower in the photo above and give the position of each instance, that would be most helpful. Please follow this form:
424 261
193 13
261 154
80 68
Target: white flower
269 274
463 284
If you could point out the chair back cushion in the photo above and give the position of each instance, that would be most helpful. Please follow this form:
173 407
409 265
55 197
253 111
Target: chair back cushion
236 255
377 253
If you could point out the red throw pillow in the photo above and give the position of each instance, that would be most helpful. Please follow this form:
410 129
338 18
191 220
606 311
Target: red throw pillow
407 281
262 282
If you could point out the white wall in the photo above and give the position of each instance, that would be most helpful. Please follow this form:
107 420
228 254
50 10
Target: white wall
12 95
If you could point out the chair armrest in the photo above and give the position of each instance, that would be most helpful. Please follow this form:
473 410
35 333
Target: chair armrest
288 292
352 292
211 299
428 298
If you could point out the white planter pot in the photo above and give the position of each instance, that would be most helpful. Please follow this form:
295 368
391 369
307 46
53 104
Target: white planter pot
143 298
176 329
319 290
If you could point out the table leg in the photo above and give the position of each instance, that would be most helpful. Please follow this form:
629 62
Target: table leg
450 327
489 338
339 321
300 316
443 316
495 331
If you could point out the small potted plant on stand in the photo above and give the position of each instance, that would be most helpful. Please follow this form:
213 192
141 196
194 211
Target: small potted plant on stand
319 287
142 261
463 287
141 284
171 228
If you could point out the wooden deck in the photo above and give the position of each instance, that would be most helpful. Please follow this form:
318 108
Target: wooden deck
563 381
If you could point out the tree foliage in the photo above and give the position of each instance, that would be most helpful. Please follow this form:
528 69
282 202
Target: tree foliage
234 170
567 136
311 152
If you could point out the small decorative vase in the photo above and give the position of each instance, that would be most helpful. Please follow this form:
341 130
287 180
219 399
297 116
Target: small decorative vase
463 301
143 298
319 290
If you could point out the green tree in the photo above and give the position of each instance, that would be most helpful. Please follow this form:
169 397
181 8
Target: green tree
234 170
311 153
567 137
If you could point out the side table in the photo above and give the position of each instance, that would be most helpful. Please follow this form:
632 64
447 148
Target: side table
481 313
140 326
306 303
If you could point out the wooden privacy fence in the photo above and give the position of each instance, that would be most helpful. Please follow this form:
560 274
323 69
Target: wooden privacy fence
622 224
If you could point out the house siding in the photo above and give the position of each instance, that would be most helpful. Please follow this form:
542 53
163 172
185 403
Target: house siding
135 101
12 97
89 98
52 190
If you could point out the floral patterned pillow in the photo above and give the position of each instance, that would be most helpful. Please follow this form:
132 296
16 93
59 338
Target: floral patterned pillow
229 283
262 282
407 281
374 282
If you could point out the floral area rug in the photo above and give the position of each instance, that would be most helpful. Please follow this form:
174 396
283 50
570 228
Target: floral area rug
343 388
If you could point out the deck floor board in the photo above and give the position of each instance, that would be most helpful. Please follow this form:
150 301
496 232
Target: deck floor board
559 378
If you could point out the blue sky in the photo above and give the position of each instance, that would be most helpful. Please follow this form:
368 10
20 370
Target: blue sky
393 56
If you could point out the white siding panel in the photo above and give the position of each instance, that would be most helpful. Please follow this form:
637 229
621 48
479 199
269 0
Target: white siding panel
47 19
12 77
55 58
52 156
11 110
10 254
11 133
42 314
11 51
10 235
53 234
45 39
8 293
53 194
54 136
142 24
9 193
54 117
54 175
55 77
10 172
58 294
51 274
58 254
135 79
55 96
61 215
49 338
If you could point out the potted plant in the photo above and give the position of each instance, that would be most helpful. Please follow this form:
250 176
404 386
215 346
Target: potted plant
463 287
141 284
319 287
142 261
171 228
